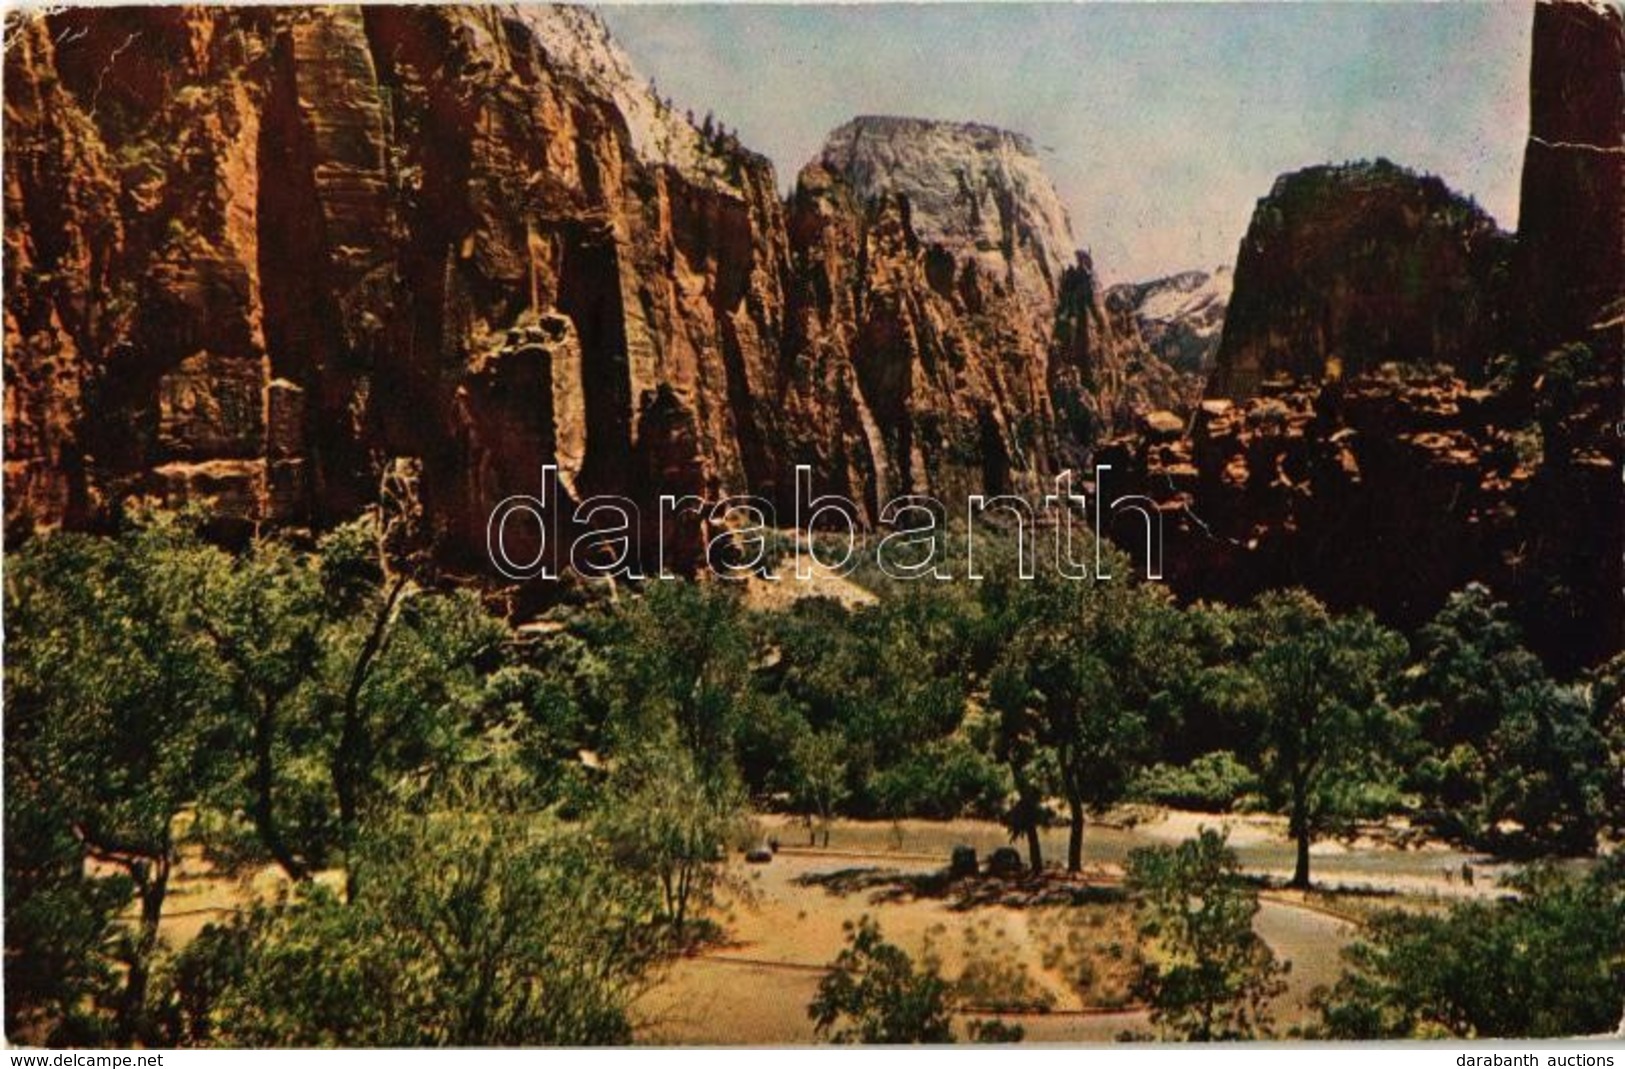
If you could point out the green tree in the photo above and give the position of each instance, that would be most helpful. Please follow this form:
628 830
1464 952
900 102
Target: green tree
819 766
683 662
115 714
157 686
1080 677
477 923
1469 659
263 612
368 598
1316 680
889 678
60 926
402 678
875 993
1017 744
1211 976
1547 961
1507 743
660 817
1607 690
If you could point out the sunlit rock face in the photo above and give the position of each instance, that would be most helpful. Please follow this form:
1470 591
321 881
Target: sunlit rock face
940 278
273 251
977 191
274 254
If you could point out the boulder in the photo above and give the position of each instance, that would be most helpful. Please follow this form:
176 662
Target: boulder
1005 862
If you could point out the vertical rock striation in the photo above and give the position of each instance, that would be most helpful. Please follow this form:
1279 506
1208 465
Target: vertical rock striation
1406 399
1571 210
263 256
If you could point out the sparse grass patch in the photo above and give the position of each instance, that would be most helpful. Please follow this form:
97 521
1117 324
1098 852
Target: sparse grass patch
1095 950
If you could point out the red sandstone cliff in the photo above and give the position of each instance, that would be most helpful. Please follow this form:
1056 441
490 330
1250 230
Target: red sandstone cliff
1405 401
260 256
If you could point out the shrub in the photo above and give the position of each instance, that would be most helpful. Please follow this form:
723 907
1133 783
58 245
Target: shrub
1212 783
1212 977
1549 962
874 993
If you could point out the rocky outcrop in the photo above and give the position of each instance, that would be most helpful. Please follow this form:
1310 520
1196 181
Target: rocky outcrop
1181 317
977 192
1571 211
901 301
1375 491
264 256
1386 492
1404 401
941 312
267 258
1103 376
1571 278
939 315
1345 268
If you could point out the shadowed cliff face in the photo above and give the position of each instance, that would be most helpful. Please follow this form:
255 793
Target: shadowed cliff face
1345 268
1405 400
258 256
1571 225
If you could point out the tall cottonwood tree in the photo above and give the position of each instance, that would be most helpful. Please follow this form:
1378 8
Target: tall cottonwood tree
818 765
264 615
1317 683
662 817
1016 744
1506 743
1083 672
1213 977
681 665
116 713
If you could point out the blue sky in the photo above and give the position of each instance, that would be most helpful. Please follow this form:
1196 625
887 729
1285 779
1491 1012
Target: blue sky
1161 124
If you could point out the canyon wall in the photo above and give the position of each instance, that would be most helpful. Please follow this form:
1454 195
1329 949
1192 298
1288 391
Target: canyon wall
1571 208
262 258
1181 317
1406 399
1346 267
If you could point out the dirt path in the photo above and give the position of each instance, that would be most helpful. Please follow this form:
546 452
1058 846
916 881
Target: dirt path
786 928
1364 863
755 989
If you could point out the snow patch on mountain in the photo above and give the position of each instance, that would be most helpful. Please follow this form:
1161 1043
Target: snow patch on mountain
1180 316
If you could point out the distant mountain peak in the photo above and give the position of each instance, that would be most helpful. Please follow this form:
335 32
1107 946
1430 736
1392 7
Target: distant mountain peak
978 191
1181 316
